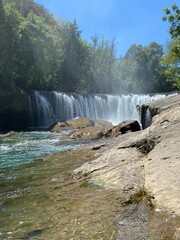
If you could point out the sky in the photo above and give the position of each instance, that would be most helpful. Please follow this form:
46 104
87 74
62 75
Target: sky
128 21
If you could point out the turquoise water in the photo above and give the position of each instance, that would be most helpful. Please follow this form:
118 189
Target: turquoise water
40 199
24 147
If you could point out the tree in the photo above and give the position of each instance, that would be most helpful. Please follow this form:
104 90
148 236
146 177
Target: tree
11 21
103 63
136 62
173 16
171 60
171 63
31 52
140 70
75 58
2 43
35 53
156 80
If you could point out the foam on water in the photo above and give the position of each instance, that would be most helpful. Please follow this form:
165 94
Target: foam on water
26 146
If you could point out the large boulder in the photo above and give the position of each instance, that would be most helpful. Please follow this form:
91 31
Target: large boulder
123 127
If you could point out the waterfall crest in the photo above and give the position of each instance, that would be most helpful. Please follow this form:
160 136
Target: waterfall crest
50 107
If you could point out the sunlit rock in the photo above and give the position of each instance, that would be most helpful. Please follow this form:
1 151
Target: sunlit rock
123 127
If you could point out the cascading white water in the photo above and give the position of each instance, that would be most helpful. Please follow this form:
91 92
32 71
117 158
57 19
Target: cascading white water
50 107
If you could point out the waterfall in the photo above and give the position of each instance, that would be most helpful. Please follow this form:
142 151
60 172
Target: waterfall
50 107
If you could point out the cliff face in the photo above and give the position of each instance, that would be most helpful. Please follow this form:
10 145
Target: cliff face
13 110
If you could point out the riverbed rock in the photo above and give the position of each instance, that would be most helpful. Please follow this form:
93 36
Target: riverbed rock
126 166
83 128
93 131
89 133
58 127
76 123
81 123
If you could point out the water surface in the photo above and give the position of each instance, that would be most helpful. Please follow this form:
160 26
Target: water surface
39 199
24 147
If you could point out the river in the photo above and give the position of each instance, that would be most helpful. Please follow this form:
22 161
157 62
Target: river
39 199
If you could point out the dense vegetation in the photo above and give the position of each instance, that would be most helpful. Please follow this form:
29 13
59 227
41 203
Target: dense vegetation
38 51
172 57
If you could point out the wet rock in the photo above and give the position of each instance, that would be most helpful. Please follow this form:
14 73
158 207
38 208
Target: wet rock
133 223
11 133
58 127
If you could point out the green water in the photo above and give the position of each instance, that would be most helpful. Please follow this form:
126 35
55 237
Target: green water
24 147
39 199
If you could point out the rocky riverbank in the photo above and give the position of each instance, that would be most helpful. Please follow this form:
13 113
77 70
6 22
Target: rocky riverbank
143 163
126 189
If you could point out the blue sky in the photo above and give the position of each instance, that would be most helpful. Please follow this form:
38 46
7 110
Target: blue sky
129 21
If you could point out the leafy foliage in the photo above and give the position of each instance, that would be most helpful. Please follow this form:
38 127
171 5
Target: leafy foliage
41 52
173 16
171 60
